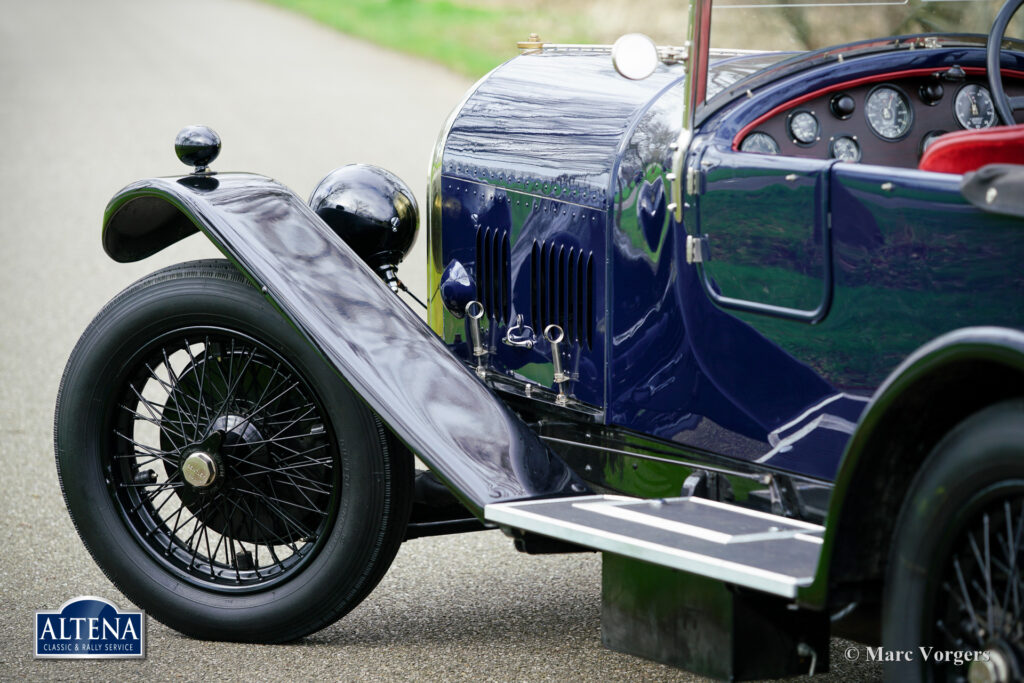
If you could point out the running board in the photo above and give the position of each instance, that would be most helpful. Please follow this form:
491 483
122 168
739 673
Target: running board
735 545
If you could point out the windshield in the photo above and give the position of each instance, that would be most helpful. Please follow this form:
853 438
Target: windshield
814 24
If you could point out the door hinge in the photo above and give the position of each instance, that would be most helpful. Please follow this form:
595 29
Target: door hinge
692 180
697 249
679 149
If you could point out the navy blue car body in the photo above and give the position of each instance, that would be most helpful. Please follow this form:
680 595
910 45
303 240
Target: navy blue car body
816 288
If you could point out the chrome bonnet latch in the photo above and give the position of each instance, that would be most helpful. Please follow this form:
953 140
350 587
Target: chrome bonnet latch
520 335
475 311
556 336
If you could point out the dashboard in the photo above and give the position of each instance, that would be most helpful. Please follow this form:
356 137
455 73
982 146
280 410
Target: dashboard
888 119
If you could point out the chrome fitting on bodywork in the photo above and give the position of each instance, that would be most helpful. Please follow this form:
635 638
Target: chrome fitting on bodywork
556 336
475 311
519 334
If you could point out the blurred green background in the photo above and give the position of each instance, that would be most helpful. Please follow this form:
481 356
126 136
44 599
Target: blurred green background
474 36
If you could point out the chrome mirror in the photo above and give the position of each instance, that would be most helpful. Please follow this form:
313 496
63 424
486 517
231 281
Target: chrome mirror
635 56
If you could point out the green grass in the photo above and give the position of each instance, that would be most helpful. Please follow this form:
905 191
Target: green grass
471 39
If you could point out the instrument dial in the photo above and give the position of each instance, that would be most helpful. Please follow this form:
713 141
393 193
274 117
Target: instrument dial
803 127
888 112
973 107
759 143
844 148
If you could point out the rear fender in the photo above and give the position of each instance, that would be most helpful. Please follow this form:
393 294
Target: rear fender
422 391
936 387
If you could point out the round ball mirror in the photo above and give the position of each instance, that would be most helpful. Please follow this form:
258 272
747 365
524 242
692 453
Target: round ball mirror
635 56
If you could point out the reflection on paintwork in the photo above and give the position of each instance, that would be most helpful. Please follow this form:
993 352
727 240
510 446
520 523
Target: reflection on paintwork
550 151
764 219
381 347
674 366
908 266
549 124
666 361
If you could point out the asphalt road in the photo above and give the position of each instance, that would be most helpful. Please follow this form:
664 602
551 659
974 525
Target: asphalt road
92 95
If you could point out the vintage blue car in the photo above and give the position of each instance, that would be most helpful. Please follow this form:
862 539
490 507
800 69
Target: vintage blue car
749 322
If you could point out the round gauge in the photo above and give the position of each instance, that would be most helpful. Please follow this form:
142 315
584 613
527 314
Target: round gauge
844 148
888 112
803 126
929 138
973 107
759 143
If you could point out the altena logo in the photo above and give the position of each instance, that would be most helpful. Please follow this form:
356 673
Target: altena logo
89 627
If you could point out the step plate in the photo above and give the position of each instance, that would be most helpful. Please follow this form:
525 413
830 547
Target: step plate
766 552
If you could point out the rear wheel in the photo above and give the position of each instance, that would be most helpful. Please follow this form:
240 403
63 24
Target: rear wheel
954 587
220 473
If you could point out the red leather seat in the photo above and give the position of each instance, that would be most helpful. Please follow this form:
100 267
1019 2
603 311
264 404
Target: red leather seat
969 150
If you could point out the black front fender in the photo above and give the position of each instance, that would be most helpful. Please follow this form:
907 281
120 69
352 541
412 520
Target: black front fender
422 391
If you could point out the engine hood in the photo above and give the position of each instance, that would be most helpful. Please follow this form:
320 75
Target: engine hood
551 124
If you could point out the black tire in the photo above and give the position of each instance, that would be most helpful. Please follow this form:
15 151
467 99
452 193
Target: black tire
959 532
308 502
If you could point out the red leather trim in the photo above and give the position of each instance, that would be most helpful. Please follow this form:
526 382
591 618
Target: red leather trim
973 70
969 150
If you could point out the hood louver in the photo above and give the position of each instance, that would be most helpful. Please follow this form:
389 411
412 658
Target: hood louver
562 290
494 267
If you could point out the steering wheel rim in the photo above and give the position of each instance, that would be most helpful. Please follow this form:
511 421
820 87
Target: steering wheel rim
1003 104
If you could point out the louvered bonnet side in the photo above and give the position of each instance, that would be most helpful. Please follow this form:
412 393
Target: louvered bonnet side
524 201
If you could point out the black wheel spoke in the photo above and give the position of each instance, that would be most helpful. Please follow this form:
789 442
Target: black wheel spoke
150 495
271 534
174 485
193 363
149 450
284 516
325 462
1013 551
152 410
965 593
989 596
271 481
978 604
173 391
231 544
163 425
296 482
194 421
267 498
255 412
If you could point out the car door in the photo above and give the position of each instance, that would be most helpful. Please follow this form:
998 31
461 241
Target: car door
763 221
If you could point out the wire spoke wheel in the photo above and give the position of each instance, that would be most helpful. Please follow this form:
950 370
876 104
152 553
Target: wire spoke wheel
980 597
954 593
223 475
223 463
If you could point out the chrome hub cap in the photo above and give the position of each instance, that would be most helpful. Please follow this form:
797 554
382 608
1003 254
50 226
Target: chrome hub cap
199 469
995 670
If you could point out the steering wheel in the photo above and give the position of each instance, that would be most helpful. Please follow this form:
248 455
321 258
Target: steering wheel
1004 104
